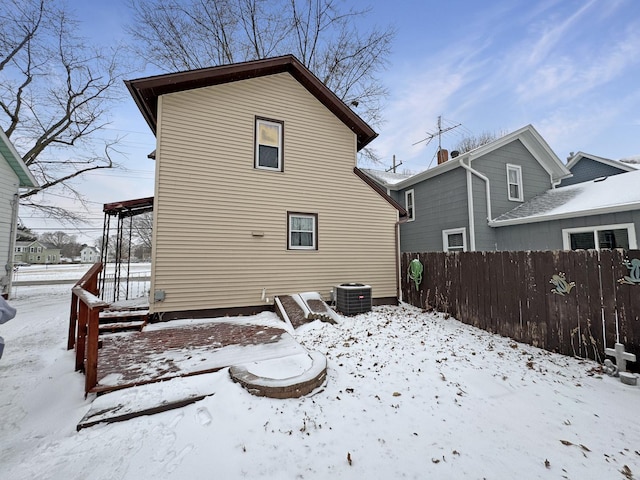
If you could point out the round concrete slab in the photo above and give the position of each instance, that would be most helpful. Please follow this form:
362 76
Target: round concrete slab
269 384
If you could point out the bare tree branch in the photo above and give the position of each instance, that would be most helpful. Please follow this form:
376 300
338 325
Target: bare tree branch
55 93
329 40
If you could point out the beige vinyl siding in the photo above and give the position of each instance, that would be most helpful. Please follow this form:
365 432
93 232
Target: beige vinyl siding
210 198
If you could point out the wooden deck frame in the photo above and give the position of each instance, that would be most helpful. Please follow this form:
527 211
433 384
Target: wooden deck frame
84 325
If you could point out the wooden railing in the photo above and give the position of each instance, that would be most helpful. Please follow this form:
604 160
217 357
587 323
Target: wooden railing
88 282
84 324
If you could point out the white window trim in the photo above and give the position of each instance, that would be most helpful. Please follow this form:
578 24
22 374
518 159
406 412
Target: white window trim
518 169
256 159
413 204
630 227
453 231
314 245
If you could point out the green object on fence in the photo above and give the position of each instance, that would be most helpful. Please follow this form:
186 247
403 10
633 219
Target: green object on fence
562 287
634 272
415 271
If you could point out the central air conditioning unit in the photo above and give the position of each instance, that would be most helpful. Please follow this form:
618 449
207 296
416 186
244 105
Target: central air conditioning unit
353 298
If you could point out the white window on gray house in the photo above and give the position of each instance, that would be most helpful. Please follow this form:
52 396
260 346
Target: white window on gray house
514 183
454 240
268 153
302 231
600 237
409 203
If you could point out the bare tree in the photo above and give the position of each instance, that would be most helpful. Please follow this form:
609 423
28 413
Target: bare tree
182 35
25 234
142 229
54 94
68 244
474 141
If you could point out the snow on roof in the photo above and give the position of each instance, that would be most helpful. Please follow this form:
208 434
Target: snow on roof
620 164
602 195
631 160
387 178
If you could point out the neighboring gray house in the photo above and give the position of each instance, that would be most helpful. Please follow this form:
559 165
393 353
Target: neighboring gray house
602 213
585 167
14 175
452 206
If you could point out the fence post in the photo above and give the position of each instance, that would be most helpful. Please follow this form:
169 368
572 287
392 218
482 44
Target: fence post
83 313
91 365
73 320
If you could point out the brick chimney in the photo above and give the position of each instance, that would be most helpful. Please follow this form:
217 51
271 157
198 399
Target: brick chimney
443 155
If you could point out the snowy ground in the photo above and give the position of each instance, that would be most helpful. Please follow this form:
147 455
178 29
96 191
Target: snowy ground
66 271
409 395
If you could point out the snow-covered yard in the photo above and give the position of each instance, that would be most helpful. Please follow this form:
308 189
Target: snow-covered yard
409 395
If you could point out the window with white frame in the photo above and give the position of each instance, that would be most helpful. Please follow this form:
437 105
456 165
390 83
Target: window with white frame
268 153
409 203
600 237
514 183
454 240
302 231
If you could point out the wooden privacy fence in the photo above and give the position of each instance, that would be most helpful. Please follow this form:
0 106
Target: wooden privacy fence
572 302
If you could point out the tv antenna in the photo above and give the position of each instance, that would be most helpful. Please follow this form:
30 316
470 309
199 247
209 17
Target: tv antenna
438 134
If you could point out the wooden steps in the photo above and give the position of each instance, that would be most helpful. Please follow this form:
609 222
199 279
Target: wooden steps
113 321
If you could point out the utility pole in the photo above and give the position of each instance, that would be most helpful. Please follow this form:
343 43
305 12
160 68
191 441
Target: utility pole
395 165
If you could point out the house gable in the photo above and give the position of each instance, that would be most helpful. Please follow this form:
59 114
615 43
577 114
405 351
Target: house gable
495 164
585 167
209 193
147 91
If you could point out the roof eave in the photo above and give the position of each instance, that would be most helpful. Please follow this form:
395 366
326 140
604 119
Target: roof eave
13 158
380 191
561 216
145 91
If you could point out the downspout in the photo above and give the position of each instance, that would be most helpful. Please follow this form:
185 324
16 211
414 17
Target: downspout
470 171
6 289
398 257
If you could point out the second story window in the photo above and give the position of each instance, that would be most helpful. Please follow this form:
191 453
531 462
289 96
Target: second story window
409 203
268 152
514 183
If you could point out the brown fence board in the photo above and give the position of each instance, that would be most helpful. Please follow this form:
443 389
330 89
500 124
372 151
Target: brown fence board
608 289
510 293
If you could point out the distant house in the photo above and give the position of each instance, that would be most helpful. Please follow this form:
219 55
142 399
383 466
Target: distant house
256 165
452 206
89 254
36 252
14 175
585 167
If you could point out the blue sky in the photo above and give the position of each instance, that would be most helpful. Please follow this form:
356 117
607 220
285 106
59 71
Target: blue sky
571 68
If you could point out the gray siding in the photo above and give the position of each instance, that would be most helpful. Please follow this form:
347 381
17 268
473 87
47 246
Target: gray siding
440 204
485 235
548 235
535 179
587 169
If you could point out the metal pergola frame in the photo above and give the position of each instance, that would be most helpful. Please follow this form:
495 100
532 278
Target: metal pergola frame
123 211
